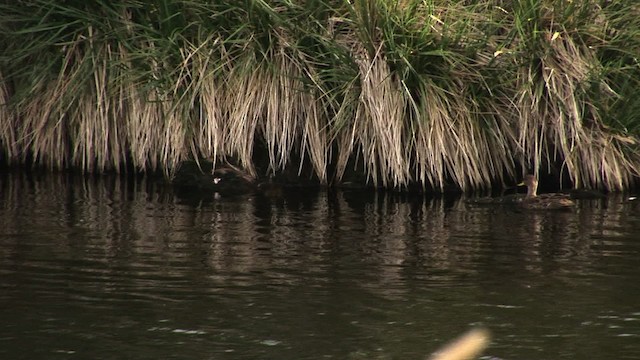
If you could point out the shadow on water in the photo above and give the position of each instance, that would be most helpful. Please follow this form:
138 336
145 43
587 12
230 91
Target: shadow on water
114 268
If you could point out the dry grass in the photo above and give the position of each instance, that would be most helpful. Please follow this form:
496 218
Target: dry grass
435 94
556 125
8 141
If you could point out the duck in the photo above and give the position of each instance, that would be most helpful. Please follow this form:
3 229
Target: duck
532 200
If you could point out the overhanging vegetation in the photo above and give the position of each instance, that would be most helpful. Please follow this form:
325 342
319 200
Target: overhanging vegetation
426 92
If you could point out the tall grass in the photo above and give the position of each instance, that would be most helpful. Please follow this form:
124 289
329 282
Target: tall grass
428 92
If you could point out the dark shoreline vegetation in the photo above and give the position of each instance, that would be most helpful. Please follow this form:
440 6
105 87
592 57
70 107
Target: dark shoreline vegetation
394 94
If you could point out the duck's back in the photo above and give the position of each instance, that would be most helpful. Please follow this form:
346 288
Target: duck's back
548 202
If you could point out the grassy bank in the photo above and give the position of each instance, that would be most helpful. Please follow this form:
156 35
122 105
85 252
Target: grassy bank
427 92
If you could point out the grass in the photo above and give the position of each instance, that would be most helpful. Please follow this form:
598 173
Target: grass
410 92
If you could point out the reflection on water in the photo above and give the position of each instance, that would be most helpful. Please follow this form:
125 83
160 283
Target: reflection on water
114 268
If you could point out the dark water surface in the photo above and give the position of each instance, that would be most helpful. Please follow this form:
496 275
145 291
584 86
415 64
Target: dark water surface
110 268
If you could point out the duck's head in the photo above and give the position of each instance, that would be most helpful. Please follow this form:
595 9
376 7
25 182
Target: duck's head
531 183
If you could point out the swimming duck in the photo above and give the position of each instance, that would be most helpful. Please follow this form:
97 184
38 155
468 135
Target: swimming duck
542 201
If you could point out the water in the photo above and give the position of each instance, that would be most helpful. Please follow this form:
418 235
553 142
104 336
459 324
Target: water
108 268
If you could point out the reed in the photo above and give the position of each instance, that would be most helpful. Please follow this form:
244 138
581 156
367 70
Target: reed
429 92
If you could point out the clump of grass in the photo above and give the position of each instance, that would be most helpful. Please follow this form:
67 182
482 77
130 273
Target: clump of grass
560 119
427 92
